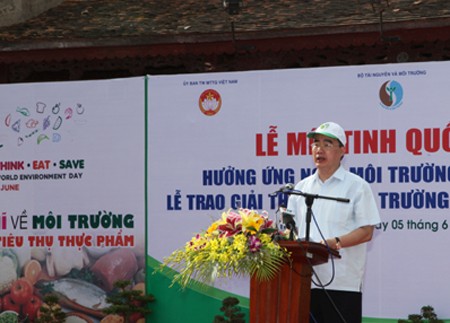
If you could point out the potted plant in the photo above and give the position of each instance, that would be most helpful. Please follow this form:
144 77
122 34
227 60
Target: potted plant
129 303
427 316
51 311
231 312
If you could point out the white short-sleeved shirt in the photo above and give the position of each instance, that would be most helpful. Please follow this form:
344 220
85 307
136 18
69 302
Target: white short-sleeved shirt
335 219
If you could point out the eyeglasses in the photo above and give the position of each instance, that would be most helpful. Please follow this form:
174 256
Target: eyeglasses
325 145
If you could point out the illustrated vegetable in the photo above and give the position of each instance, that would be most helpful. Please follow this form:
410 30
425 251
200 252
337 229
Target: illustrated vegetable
9 304
38 253
23 256
60 262
50 310
21 291
9 317
31 308
8 269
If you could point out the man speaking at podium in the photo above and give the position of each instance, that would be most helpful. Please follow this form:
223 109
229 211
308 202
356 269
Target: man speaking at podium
336 291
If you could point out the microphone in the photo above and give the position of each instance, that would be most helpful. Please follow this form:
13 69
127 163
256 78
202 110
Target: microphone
289 222
286 187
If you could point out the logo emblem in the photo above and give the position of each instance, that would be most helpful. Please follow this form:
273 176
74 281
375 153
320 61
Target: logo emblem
210 102
391 95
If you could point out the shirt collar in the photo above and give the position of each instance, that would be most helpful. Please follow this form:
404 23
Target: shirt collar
339 174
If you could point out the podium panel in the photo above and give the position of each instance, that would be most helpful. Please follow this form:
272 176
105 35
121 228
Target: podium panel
286 297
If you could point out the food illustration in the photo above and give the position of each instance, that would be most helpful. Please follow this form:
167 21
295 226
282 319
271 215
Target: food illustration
8 273
9 317
80 295
71 258
74 317
40 124
120 264
60 262
80 279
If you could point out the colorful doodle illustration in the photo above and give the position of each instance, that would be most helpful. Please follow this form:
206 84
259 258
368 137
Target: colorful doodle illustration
41 125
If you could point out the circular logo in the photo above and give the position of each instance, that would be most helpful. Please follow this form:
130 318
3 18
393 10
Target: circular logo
210 102
391 95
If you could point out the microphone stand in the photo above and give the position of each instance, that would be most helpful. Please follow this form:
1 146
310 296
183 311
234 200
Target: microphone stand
309 200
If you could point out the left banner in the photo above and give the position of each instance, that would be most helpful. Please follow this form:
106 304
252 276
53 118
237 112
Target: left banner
72 202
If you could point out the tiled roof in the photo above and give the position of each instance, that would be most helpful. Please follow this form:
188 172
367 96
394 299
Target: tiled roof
81 23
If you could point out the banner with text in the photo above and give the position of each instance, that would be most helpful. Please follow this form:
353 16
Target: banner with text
72 193
219 141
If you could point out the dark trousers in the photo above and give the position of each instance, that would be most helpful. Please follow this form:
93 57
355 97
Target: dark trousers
334 306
